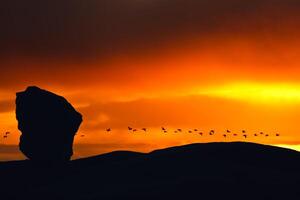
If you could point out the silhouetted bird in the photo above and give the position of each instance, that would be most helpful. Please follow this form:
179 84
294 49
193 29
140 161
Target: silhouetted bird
234 134
212 131
129 128
175 131
82 136
134 130
162 128
165 131
179 129
5 136
243 131
261 133
7 133
190 131
255 135
144 129
195 129
228 131
245 136
201 133
277 135
267 135
224 135
108 129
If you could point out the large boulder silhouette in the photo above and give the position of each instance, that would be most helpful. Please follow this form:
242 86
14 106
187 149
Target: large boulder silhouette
48 123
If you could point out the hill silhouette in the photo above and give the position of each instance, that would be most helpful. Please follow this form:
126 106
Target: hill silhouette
198 171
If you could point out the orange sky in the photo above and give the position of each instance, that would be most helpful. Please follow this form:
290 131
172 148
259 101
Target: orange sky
201 72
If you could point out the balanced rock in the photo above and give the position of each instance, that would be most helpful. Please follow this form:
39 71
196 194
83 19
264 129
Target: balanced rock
48 123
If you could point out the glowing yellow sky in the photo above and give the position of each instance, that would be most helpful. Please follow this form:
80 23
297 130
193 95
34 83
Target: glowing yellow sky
267 93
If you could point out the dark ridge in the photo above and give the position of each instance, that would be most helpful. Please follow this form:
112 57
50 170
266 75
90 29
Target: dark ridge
239 152
108 158
197 171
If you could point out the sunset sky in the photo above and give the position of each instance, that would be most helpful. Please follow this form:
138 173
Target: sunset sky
205 64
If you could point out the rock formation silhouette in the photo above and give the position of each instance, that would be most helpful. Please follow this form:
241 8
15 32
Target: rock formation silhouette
48 123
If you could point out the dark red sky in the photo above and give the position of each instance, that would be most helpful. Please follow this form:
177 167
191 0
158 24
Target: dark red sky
152 62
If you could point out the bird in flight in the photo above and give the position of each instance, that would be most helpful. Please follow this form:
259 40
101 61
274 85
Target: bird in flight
162 128
224 135
201 133
211 132
179 129
255 135
195 129
190 131
7 133
134 130
234 134
5 136
130 128
267 135
261 133
144 129
245 136
277 135
108 129
165 131
228 131
243 131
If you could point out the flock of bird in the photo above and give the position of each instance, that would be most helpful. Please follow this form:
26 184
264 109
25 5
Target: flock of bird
6 134
227 133
164 130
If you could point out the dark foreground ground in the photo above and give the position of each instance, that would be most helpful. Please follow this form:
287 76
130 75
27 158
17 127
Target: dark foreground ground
197 171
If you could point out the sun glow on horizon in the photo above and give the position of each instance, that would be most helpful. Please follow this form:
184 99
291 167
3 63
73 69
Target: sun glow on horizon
257 92
293 147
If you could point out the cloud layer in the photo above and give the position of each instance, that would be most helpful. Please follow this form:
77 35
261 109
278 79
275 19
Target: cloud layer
76 29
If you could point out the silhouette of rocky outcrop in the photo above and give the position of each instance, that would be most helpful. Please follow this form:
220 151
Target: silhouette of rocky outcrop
48 123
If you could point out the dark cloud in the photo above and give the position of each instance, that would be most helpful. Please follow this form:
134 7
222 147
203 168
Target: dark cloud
9 148
76 28
7 105
10 152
